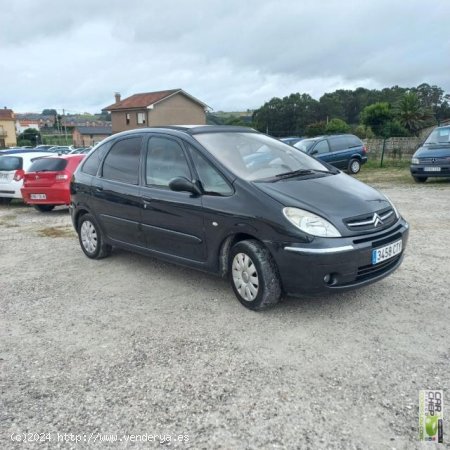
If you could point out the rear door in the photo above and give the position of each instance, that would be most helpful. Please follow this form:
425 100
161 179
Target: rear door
172 222
340 153
115 192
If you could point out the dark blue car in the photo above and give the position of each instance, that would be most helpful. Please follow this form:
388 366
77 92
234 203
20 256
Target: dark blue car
344 151
432 159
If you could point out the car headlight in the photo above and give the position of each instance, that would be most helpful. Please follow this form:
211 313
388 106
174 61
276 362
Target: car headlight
415 161
310 223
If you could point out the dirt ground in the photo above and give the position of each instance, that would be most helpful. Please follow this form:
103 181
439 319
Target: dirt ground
132 346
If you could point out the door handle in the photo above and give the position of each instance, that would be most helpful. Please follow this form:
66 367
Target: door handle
98 188
146 201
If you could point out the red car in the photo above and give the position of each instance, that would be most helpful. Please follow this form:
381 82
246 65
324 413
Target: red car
47 182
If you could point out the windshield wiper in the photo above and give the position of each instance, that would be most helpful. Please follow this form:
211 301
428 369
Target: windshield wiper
294 173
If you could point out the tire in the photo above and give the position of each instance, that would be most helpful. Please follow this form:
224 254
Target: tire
91 238
5 200
254 275
44 208
354 166
420 179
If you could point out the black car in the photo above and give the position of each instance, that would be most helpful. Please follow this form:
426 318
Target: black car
193 196
344 151
432 159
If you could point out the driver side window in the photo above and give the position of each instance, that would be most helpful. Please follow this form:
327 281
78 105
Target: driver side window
322 147
165 161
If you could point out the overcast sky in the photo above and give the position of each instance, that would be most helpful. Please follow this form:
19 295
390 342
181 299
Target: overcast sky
230 54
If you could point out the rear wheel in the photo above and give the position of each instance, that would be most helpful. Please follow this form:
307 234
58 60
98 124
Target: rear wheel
5 200
254 275
354 166
420 179
44 208
91 238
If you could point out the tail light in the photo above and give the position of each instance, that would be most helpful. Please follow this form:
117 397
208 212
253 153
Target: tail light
19 175
62 177
364 149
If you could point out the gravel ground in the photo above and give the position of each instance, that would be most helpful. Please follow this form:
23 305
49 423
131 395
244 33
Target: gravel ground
132 346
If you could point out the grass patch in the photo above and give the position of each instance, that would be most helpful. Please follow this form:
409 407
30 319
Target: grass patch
56 232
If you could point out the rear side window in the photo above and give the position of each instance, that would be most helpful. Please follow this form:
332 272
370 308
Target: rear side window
92 163
48 165
122 161
353 141
339 143
8 163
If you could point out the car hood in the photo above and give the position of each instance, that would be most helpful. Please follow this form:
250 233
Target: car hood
432 151
334 197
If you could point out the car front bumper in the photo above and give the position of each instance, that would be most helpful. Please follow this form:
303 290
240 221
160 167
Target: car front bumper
423 170
337 264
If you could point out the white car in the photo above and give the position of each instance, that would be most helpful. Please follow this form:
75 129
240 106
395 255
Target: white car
12 170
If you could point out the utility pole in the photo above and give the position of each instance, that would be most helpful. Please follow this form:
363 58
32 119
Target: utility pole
65 128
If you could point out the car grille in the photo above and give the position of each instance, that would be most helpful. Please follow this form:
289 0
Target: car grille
372 222
370 271
437 160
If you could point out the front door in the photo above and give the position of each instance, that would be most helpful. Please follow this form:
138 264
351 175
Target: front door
172 222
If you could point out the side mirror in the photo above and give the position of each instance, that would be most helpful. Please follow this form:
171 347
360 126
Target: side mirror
314 152
182 184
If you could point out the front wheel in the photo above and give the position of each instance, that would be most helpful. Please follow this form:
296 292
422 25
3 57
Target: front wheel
44 208
420 179
254 275
91 238
354 166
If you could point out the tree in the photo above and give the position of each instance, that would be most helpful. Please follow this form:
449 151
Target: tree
336 126
30 135
411 113
378 117
49 112
316 129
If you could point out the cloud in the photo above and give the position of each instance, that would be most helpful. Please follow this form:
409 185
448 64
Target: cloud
232 55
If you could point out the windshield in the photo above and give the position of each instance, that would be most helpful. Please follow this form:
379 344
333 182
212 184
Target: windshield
8 163
439 136
254 156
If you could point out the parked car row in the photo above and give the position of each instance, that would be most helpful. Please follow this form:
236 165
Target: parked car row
59 149
41 179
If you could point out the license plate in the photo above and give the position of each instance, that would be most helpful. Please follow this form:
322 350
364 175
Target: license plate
432 169
38 196
4 176
387 252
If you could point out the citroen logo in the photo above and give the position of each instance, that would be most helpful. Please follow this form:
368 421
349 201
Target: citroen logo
376 219
37 177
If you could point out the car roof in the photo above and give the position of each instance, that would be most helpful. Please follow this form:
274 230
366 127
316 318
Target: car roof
186 129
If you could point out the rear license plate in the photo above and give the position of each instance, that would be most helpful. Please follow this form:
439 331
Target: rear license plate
432 169
4 176
387 252
38 196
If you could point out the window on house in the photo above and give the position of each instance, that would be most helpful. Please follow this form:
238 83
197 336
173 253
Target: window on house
127 118
140 118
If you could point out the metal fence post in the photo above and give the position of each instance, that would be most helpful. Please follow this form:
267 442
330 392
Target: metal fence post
382 152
